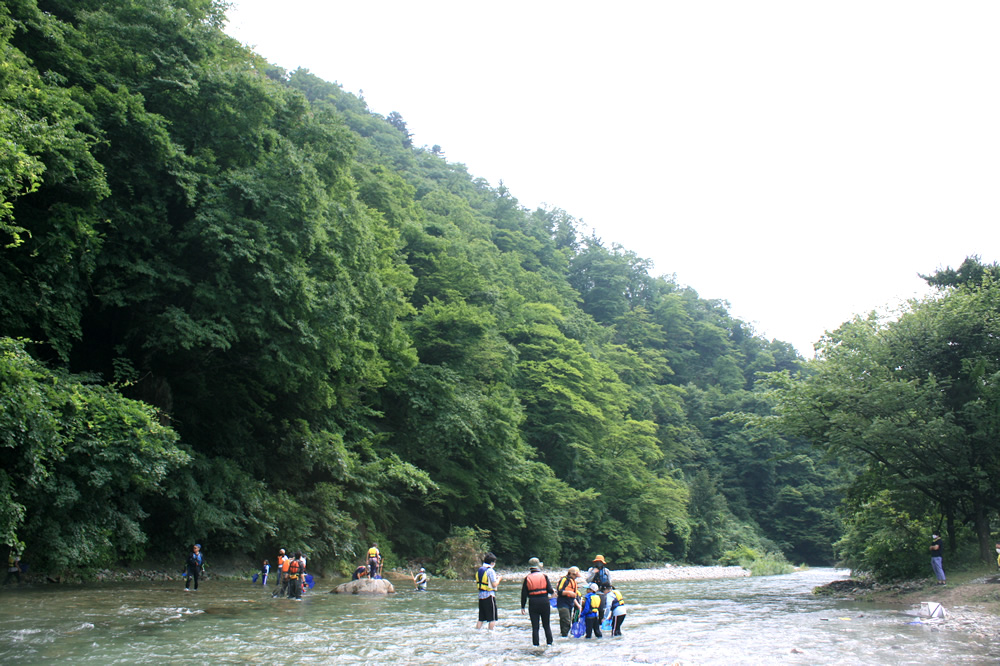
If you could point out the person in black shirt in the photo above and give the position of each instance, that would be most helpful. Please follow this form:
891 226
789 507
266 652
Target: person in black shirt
937 563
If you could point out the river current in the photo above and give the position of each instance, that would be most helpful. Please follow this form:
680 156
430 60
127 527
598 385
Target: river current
769 620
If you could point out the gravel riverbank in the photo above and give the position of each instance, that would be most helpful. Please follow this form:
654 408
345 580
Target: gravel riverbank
668 572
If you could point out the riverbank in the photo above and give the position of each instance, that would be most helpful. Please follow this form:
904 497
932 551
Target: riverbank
971 603
668 572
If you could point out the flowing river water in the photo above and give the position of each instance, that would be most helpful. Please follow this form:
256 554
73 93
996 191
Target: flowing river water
769 620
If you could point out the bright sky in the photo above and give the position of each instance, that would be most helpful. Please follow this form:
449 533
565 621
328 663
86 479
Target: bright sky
802 160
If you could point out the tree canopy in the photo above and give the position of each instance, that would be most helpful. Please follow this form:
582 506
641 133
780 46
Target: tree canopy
312 333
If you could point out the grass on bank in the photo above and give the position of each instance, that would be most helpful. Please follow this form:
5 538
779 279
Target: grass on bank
758 563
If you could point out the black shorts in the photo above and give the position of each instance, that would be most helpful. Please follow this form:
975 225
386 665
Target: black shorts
488 609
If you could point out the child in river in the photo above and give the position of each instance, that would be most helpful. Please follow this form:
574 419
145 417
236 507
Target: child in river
591 612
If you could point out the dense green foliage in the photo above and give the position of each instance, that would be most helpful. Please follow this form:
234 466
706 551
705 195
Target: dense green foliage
349 337
914 405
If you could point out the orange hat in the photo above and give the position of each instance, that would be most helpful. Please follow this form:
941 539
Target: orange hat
600 558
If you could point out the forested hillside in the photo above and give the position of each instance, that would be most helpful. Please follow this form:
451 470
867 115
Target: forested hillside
241 308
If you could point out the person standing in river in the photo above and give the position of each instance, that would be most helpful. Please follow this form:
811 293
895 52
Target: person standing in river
535 591
616 606
296 572
567 600
195 564
280 567
420 580
487 582
13 568
937 559
592 611
599 572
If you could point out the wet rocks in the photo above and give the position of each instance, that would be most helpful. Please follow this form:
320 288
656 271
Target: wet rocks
372 586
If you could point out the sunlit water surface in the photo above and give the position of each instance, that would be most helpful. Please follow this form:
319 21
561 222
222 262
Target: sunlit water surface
725 621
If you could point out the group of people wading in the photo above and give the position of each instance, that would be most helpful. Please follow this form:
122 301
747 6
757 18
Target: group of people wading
291 575
599 598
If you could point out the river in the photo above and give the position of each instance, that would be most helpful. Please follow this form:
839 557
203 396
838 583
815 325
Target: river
770 620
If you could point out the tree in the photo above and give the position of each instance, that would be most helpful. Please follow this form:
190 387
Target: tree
917 400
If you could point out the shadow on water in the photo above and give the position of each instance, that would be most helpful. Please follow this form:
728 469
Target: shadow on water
729 621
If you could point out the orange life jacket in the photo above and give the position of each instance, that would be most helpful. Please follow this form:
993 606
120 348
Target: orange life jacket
567 587
294 567
537 584
284 564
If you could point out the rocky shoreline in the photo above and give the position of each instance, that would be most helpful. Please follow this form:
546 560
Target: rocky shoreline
969 607
669 572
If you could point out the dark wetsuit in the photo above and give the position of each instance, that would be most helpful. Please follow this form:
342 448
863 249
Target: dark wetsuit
194 563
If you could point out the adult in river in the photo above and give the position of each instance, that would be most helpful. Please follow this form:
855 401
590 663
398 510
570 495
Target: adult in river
599 572
535 591
195 564
13 567
296 571
360 572
280 567
487 582
567 600
420 580
937 559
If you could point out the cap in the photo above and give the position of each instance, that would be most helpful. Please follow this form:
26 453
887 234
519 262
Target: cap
593 586
421 569
600 558
935 536
198 546
535 563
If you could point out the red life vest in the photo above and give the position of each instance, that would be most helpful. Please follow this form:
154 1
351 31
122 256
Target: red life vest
537 584
294 567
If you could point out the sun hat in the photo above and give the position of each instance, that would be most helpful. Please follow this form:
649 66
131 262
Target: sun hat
600 558
535 563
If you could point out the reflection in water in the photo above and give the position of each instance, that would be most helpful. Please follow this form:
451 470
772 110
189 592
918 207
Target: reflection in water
728 621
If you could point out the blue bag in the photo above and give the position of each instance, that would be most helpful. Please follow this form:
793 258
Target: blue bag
606 625
255 576
552 602
578 628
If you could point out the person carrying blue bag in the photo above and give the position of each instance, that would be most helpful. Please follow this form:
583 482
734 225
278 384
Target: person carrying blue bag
567 600
591 612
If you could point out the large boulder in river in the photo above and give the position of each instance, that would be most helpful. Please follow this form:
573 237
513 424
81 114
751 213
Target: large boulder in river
365 586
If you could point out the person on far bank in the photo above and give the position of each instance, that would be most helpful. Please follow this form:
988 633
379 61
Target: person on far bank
567 600
592 611
195 564
937 559
487 582
535 591
616 606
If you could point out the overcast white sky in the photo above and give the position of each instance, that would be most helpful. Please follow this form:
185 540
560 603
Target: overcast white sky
802 160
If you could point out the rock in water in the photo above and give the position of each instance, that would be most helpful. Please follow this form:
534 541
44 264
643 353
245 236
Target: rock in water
365 586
